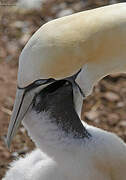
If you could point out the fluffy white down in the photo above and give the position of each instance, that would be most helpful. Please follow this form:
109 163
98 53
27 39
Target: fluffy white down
101 158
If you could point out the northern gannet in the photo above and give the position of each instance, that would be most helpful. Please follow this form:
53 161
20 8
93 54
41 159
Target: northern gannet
62 61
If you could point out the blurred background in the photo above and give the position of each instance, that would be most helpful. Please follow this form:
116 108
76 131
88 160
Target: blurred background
105 108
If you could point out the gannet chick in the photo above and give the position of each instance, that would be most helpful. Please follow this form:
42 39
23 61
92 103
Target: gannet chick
68 149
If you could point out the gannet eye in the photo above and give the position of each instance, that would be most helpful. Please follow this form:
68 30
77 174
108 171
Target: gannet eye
49 90
51 95
53 87
67 83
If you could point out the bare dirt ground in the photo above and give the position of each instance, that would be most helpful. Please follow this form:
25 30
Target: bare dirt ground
105 108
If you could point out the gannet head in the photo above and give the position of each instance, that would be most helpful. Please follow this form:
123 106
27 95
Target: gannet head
39 66
47 55
92 41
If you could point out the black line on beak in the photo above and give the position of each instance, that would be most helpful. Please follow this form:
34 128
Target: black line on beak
18 111
74 84
37 83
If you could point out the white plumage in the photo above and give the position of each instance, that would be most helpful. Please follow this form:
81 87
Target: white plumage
69 149
101 158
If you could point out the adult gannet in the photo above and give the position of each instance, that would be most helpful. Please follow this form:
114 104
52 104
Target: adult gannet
62 61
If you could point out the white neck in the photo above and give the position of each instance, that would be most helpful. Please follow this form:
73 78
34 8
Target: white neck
48 137
92 72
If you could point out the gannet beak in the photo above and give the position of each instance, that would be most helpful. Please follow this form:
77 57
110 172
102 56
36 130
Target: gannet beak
24 99
22 104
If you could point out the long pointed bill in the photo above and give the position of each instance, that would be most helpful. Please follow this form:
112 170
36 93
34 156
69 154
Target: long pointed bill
22 103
